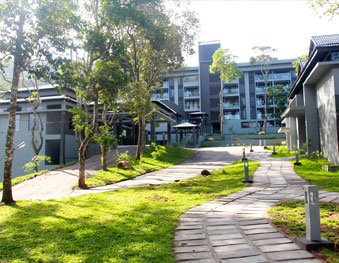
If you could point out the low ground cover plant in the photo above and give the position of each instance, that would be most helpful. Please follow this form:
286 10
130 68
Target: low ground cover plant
155 157
281 151
129 225
289 217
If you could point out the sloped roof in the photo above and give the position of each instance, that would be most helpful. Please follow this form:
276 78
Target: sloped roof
324 41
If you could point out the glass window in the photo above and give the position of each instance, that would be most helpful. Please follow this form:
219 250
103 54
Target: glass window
53 106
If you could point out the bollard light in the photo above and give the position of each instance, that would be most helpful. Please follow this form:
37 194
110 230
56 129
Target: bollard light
313 238
260 142
246 173
265 144
243 155
251 149
312 212
297 158
274 152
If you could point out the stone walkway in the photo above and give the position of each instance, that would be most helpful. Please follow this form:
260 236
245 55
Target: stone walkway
236 229
60 183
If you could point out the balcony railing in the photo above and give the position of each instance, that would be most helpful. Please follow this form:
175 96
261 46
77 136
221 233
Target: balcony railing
191 94
231 91
260 116
274 76
232 116
259 90
231 105
164 96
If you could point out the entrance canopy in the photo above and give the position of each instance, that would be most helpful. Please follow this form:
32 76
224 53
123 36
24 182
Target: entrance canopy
185 125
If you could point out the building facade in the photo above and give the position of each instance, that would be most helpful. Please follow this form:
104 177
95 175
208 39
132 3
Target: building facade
312 114
195 90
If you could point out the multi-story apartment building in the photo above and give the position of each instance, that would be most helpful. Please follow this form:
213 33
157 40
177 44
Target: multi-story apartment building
196 91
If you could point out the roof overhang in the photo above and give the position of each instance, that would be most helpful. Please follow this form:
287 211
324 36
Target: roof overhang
185 125
319 70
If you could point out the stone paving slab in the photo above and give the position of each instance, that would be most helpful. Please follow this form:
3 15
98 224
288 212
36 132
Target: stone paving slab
254 259
286 255
236 226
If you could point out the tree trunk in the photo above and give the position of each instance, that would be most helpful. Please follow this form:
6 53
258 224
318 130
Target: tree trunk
265 108
221 112
141 137
7 196
103 157
82 168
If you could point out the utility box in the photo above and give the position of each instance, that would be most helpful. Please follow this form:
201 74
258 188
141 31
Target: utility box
312 212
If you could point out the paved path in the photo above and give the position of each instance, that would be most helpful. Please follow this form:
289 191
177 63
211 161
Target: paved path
236 229
59 183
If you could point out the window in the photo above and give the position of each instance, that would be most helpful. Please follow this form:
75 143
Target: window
53 106
334 56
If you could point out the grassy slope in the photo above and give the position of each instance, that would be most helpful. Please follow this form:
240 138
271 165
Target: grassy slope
153 160
311 171
290 218
131 225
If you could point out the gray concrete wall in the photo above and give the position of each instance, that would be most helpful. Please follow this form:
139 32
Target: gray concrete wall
23 155
301 131
326 106
311 119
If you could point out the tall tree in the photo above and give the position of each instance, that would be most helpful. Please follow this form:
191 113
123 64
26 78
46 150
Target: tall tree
95 76
112 80
297 62
29 30
153 43
278 95
37 127
224 63
263 60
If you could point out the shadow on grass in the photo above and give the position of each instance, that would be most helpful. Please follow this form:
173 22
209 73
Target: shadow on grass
131 225
43 232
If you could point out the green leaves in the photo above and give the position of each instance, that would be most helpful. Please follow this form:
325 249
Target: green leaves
224 63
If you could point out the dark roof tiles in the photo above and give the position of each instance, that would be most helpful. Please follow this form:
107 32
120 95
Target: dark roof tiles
326 40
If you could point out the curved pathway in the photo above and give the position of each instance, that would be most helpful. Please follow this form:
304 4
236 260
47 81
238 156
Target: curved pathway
59 183
236 229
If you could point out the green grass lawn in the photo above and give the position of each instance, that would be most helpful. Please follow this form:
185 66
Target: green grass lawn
155 158
311 171
281 151
130 225
290 218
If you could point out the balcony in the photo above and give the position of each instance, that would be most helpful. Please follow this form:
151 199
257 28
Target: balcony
227 105
231 91
165 85
191 105
163 96
274 76
191 94
259 90
260 116
232 116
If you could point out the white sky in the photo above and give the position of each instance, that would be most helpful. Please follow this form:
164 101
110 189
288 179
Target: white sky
242 24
